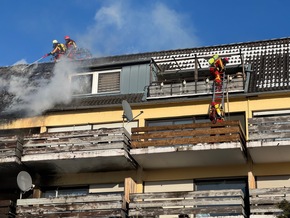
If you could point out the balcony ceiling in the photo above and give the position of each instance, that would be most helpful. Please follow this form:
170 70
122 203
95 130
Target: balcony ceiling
108 160
269 152
189 155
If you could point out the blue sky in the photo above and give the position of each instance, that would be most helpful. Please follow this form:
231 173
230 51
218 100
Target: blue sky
114 27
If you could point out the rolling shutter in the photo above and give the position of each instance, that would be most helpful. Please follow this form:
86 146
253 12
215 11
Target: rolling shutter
109 82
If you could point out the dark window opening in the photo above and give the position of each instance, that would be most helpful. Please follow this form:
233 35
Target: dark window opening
62 192
82 84
20 132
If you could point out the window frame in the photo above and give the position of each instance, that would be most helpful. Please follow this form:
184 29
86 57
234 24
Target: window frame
95 81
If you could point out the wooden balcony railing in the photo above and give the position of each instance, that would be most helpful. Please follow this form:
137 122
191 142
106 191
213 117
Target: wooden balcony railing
78 141
227 131
10 149
110 205
213 202
7 208
265 200
266 129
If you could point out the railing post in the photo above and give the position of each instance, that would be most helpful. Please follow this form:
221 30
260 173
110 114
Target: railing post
251 180
195 72
130 187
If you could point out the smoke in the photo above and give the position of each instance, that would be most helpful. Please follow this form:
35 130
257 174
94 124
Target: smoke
121 27
22 61
118 27
34 93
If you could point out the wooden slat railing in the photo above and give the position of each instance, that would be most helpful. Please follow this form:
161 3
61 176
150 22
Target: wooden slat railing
10 147
7 208
213 202
105 205
169 89
227 131
101 139
269 128
265 200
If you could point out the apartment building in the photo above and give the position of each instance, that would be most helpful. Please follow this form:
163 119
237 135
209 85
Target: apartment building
130 135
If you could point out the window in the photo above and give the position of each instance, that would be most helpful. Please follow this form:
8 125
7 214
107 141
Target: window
82 84
109 82
112 188
177 121
127 126
224 184
98 82
271 113
170 121
61 192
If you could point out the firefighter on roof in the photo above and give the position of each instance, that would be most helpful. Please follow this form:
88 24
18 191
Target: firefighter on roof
71 47
58 51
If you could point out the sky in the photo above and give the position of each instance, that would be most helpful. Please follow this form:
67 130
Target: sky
119 27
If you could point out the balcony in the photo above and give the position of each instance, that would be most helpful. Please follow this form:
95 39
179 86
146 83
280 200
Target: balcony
10 151
183 88
109 205
189 145
203 203
10 165
7 208
269 139
79 151
264 201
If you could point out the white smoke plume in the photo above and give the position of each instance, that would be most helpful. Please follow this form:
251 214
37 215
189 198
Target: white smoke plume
121 28
34 95
22 61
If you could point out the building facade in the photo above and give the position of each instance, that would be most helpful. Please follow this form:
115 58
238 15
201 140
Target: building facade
130 135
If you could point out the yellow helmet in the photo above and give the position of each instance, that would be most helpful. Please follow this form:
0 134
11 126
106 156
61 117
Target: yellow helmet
211 61
216 56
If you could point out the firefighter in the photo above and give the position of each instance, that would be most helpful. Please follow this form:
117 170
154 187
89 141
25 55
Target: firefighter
217 67
71 47
216 113
58 51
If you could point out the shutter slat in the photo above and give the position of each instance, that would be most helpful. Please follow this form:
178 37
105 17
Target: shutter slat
109 82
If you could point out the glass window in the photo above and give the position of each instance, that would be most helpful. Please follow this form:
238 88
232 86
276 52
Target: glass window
170 121
61 192
96 82
82 84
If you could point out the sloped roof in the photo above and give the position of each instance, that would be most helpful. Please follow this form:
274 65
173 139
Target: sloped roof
269 60
99 101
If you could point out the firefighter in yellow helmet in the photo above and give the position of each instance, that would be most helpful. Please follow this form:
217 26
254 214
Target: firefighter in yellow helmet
217 66
216 113
58 51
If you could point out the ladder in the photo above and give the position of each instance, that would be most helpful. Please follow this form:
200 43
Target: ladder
216 111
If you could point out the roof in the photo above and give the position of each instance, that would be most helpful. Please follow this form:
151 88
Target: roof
269 61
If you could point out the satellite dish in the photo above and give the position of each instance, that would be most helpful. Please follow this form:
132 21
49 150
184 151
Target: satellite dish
24 181
127 111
